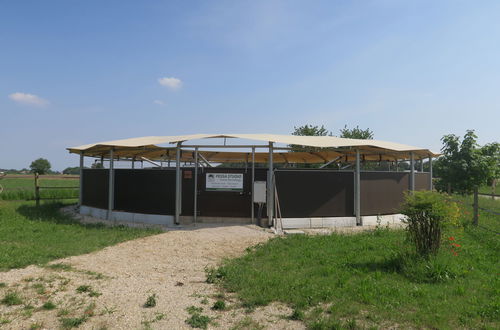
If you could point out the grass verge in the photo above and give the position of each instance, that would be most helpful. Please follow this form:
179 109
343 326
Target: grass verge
373 279
32 235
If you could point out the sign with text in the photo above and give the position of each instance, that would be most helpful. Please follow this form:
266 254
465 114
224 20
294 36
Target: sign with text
224 182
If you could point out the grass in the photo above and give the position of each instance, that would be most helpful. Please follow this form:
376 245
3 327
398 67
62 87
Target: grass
373 280
32 235
151 301
12 298
23 188
196 319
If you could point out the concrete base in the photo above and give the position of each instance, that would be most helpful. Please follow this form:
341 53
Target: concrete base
288 223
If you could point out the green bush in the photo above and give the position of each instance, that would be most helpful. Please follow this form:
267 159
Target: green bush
427 213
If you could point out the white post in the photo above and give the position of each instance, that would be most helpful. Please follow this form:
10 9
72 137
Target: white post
270 187
357 190
111 185
80 196
178 183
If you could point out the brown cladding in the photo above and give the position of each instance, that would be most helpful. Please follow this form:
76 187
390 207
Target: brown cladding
382 192
95 188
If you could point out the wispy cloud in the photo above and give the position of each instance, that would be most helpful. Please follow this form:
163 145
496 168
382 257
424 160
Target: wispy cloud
170 82
159 102
28 99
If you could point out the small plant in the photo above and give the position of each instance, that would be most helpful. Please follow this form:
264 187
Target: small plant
39 287
49 305
94 293
219 305
198 321
204 301
60 266
3 285
297 315
35 326
151 301
213 274
12 298
193 309
426 214
83 288
72 322
89 310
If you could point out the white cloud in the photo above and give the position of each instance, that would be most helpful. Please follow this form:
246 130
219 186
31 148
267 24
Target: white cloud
159 102
28 99
170 82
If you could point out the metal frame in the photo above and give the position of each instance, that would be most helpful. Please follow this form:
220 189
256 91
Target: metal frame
357 190
111 185
412 172
252 207
195 213
178 188
270 186
80 196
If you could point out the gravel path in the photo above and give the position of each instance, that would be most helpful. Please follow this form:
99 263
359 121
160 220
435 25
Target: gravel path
120 279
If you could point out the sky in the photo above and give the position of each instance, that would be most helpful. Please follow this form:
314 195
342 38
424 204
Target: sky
78 72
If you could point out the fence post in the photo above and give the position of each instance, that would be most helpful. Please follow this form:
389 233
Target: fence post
37 190
476 207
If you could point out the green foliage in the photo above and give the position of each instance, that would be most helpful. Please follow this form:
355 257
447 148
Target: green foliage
23 188
72 322
356 133
12 298
426 213
219 305
151 301
309 130
49 305
72 170
213 274
464 165
83 288
197 320
375 280
32 235
40 166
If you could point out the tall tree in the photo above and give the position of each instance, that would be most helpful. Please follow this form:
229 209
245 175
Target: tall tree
466 166
309 130
356 133
40 166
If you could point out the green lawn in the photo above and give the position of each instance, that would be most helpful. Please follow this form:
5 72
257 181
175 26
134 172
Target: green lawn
31 235
23 188
372 280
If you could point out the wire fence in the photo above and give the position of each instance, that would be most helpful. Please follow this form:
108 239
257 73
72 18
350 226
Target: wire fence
476 208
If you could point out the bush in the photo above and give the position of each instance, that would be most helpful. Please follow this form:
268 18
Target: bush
151 301
427 213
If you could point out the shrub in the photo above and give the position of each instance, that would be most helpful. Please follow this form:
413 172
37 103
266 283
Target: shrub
151 301
11 299
427 213
219 305
49 305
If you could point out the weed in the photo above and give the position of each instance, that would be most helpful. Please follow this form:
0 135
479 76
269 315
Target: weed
35 326
49 305
83 288
193 309
219 305
214 274
94 293
60 266
89 310
72 322
297 315
12 298
3 285
158 317
204 301
108 310
4 321
247 323
151 301
197 320
63 312
39 287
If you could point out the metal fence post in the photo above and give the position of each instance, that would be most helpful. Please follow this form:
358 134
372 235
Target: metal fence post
80 193
270 187
357 190
253 180
177 183
430 173
476 207
412 172
111 184
37 190
195 215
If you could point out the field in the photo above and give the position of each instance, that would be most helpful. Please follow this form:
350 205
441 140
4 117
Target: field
33 235
372 279
22 187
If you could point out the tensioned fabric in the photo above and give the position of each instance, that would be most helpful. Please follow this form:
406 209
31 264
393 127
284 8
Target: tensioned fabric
341 148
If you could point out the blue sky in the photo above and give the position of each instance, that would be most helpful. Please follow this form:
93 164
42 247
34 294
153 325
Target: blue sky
77 72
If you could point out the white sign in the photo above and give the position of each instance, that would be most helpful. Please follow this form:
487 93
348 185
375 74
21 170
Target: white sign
224 181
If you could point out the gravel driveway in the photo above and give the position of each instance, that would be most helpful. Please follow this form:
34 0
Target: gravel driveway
108 288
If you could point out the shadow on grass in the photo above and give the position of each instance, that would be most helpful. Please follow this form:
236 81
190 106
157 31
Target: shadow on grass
50 212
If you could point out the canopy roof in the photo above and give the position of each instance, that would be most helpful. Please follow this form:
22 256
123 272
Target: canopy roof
334 148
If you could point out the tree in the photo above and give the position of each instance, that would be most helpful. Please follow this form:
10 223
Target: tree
72 170
356 133
465 166
308 130
40 166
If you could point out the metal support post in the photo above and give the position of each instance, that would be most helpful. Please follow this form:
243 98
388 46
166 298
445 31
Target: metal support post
177 183
80 193
195 215
270 187
421 165
111 185
253 180
412 172
430 173
357 190
133 163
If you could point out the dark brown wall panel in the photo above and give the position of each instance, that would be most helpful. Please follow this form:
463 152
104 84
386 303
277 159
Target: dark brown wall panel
95 188
382 192
315 193
145 191
421 181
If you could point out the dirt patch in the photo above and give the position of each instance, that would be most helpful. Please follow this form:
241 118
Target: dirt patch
108 288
